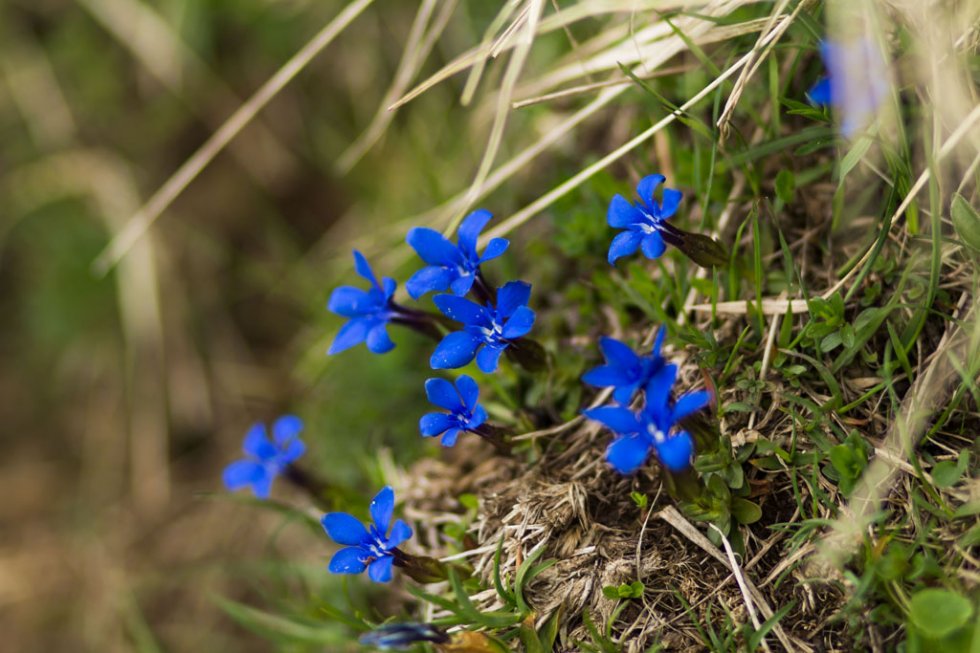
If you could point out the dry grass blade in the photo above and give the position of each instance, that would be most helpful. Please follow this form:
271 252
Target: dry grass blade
143 219
417 47
504 99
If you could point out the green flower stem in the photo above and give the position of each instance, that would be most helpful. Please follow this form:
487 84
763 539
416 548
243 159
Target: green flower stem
421 569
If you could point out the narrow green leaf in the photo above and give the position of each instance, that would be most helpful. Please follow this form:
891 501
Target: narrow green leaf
966 221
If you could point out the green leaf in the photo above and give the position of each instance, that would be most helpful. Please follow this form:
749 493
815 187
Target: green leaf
948 472
966 221
939 612
611 592
785 186
745 511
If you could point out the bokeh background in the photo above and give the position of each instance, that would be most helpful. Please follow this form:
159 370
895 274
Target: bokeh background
122 395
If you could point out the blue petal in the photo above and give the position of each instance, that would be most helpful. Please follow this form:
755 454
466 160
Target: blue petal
292 452
462 310
432 278
627 454
620 420
432 424
262 485
478 418
389 285
400 531
621 213
462 284
257 443
470 228
648 186
653 245
363 269
242 473
605 376
513 295
348 561
820 93
432 247
442 393
344 529
382 507
624 244
286 428
690 403
449 439
658 342
456 350
658 391
351 334
676 452
488 358
623 394
671 200
380 570
494 248
378 341
468 390
618 353
351 302
519 323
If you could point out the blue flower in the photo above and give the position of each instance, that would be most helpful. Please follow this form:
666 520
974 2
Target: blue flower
856 82
653 427
265 459
399 636
464 413
625 370
369 311
491 328
451 267
642 221
372 547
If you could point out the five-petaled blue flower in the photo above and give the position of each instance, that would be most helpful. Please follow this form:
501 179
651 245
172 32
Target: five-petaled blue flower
369 311
265 459
371 547
856 82
396 636
625 370
460 400
451 267
651 428
642 221
488 327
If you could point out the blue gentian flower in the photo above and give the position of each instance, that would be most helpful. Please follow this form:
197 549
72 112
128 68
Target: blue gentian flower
369 311
856 82
653 427
394 636
642 221
624 369
488 327
372 547
451 267
460 400
265 459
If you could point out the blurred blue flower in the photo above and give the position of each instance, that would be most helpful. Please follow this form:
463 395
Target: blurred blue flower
460 400
265 459
651 429
399 636
642 221
491 328
856 82
451 267
372 547
369 311
624 369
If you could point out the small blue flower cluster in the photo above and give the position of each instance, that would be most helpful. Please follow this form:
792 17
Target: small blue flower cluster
654 426
496 321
